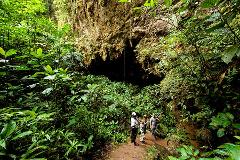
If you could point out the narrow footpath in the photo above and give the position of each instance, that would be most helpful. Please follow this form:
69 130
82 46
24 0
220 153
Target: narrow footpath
128 151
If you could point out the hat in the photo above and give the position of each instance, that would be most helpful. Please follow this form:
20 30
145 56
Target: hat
134 114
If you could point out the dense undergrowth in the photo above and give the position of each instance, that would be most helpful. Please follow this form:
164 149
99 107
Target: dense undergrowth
51 109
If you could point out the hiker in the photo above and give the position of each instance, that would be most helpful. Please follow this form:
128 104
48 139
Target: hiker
153 125
134 128
143 128
145 124
142 134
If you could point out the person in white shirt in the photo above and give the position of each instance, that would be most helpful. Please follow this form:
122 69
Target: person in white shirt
134 128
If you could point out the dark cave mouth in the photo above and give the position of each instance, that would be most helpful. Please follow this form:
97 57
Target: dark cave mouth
124 69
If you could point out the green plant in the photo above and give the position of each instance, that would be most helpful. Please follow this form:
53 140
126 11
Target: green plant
229 151
7 136
152 152
186 152
221 122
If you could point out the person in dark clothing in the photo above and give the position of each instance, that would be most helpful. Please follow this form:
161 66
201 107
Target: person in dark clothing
143 128
134 128
153 125
145 121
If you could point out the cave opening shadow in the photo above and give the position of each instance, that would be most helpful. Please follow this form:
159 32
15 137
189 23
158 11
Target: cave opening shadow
124 69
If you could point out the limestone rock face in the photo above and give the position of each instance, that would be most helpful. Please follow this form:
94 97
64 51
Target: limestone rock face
106 27
103 27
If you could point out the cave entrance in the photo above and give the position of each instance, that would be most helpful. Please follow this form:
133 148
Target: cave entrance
125 68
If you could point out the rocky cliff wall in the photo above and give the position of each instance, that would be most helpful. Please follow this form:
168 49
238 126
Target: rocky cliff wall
105 27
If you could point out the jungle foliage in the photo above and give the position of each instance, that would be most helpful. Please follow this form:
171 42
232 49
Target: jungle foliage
51 109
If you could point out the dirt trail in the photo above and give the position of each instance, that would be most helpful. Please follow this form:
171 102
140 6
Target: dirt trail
128 151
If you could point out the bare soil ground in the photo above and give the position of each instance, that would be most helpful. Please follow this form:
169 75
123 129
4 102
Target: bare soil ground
128 151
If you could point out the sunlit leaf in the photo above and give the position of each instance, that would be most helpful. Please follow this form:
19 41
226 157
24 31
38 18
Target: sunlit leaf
10 52
3 143
168 3
221 132
39 53
172 158
23 134
150 3
8 129
209 3
51 77
229 53
236 125
49 69
238 137
47 91
2 52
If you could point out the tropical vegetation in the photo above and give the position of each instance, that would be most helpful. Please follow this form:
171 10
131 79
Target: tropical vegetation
53 108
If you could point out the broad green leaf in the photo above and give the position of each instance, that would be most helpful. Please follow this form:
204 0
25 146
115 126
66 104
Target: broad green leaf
3 73
37 74
183 152
10 52
39 53
49 69
172 158
229 116
236 125
221 132
221 120
232 150
51 77
209 3
229 53
3 143
196 152
84 98
150 3
220 152
238 137
47 91
22 135
8 129
168 3
2 52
